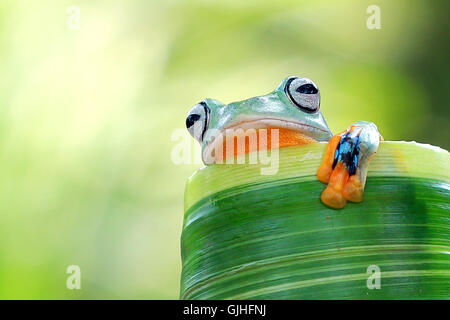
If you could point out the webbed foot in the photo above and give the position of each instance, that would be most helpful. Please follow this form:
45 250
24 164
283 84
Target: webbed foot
346 162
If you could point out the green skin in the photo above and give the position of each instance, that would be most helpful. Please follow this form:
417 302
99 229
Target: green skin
277 109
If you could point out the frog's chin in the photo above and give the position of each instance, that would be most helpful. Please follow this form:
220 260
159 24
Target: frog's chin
259 135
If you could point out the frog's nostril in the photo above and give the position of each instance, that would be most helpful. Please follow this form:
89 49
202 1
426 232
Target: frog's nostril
307 88
191 119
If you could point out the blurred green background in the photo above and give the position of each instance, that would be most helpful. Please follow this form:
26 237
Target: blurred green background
87 117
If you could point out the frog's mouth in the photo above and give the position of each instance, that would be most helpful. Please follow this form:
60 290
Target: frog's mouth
257 135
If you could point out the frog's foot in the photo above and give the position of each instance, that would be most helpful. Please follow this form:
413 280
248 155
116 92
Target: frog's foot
345 164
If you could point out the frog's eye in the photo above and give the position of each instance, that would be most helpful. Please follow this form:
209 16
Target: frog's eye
304 94
197 121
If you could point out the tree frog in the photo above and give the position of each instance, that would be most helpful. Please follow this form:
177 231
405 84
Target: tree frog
293 109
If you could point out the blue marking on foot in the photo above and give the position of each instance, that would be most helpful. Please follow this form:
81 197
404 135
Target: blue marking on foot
347 151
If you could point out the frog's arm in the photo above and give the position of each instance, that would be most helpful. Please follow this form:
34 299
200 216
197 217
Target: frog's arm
345 164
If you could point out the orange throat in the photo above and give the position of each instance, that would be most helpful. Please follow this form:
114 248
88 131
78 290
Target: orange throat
244 141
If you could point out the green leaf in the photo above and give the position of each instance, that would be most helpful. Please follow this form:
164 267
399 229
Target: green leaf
253 236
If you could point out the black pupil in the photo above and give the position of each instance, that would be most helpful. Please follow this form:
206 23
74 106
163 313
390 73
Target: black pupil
307 89
191 119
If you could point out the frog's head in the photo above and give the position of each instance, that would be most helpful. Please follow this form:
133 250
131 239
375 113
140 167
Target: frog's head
293 109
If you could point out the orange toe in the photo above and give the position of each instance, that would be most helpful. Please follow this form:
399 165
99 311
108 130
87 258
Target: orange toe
325 169
353 189
324 173
332 195
333 198
339 177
